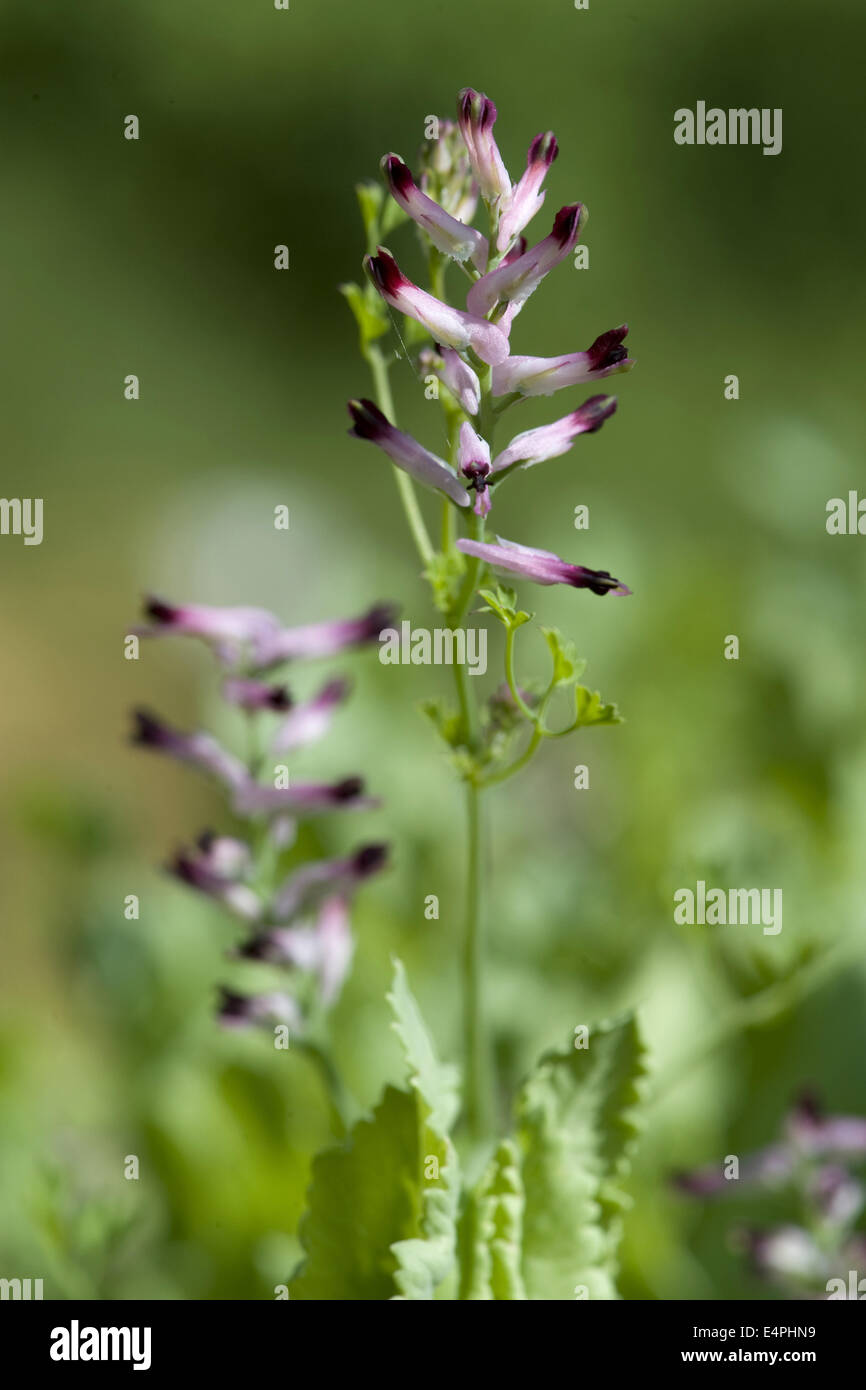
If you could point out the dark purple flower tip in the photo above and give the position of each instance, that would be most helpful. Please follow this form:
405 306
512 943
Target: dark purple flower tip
567 222
348 790
368 421
385 273
260 947
398 174
597 581
380 616
369 859
476 474
233 1007
543 149
159 611
595 411
149 731
476 108
607 349
703 1183
193 872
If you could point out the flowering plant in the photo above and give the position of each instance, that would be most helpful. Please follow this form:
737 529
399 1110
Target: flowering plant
299 922
432 1195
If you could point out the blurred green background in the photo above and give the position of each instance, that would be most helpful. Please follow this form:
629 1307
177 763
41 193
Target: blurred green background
156 258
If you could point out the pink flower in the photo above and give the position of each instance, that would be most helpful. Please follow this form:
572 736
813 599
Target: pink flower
444 324
311 720
526 197
448 234
541 566
455 374
231 631
476 118
541 376
303 799
368 422
324 639
514 283
198 749
330 875
549 441
473 461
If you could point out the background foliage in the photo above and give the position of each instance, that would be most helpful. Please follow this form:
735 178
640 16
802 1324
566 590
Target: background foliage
156 258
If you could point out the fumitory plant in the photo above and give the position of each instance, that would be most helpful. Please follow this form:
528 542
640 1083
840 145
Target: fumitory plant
479 380
400 1211
817 1248
299 922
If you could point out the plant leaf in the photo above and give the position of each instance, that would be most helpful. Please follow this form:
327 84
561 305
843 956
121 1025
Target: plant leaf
436 1082
567 666
426 1261
364 1197
491 1229
576 1130
590 709
503 602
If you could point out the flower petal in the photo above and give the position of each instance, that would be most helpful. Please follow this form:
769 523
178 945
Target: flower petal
448 234
445 325
368 422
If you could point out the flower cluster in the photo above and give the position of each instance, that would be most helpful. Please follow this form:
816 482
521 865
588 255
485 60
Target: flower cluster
814 1255
471 358
300 923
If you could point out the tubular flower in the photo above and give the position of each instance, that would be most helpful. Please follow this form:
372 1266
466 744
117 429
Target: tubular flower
550 441
541 566
258 1010
455 374
197 870
541 376
323 949
447 233
446 174
343 876
515 282
473 461
200 750
325 639
256 695
476 119
311 720
526 197
231 631
304 799
444 324
368 422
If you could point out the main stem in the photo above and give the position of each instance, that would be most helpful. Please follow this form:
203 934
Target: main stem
478 1111
477 1082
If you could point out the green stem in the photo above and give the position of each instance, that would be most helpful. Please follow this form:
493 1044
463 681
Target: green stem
477 1113
385 402
338 1099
